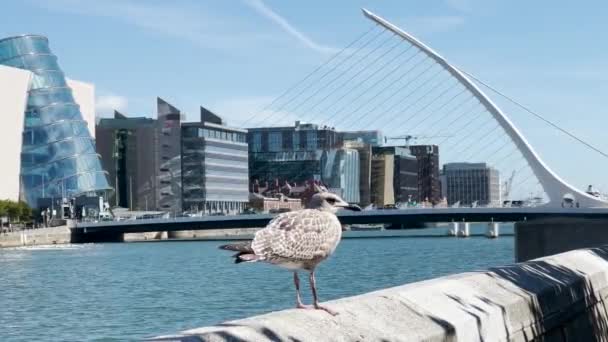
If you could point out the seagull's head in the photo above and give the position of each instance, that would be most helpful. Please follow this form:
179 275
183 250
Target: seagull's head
328 201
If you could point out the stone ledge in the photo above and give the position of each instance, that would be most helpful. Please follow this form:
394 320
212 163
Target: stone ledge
36 237
557 298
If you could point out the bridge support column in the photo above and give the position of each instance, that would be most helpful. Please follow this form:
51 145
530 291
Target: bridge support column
493 230
453 230
464 229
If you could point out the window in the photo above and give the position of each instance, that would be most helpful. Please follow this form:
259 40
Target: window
257 142
274 141
296 141
311 140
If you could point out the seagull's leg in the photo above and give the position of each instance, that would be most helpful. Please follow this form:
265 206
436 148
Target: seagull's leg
296 281
313 286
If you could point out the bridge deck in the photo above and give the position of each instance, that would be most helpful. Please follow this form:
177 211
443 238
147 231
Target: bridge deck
407 217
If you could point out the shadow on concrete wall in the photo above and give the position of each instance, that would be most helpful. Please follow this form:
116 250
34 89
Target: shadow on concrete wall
225 335
564 303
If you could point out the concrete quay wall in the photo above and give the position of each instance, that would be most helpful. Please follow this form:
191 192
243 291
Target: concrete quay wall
133 237
556 298
543 237
214 234
34 237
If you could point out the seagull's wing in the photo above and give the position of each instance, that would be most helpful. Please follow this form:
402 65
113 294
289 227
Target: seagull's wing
302 235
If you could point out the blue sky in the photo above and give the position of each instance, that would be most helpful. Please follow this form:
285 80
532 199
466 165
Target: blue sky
236 56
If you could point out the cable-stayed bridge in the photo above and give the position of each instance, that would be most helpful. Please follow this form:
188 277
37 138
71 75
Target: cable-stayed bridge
388 80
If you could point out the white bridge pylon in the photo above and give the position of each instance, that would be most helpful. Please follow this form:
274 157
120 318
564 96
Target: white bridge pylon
555 188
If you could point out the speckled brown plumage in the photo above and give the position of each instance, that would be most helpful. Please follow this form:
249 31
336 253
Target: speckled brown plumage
299 239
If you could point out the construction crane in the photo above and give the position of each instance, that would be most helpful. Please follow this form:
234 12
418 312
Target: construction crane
408 137
507 186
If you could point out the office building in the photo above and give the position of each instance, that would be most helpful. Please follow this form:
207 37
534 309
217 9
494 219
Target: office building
373 138
174 166
403 174
338 169
300 137
47 128
382 192
302 153
214 166
168 157
472 183
365 169
429 185
127 147
143 159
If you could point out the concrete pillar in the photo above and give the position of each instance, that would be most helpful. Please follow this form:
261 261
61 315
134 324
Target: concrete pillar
464 230
493 230
453 230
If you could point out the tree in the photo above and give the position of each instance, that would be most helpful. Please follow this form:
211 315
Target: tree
25 212
15 211
12 211
3 208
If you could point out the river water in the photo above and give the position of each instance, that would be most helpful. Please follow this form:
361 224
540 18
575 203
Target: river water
129 291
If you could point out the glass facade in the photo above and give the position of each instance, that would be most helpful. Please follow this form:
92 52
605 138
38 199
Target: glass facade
468 183
214 169
58 157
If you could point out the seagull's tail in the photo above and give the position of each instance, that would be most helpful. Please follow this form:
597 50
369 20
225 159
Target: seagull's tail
245 252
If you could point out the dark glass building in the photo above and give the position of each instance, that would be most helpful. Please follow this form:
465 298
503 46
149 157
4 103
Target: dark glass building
429 186
302 153
300 137
128 152
143 158
168 157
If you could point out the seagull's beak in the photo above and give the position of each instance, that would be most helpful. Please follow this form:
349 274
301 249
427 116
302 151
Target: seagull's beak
348 206
353 207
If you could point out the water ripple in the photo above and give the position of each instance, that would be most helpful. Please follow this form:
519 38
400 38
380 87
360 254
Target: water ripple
112 292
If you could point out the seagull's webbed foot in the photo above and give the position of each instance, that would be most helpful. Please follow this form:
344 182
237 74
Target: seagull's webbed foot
326 309
303 306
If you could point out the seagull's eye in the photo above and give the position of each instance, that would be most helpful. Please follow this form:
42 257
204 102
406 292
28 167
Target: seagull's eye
331 200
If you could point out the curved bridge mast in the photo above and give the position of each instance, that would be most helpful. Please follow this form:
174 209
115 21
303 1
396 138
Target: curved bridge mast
553 185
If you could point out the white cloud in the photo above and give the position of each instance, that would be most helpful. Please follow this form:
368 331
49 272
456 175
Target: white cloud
105 105
246 111
191 22
260 7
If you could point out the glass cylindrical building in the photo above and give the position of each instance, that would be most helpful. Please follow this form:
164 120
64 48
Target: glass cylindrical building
58 157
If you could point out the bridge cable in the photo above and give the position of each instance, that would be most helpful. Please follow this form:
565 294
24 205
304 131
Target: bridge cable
421 99
392 95
390 73
314 117
341 86
378 93
319 89
554 125
300 82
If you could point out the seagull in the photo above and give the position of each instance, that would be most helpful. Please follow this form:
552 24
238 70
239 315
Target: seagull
298 241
